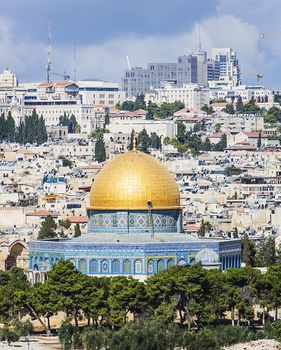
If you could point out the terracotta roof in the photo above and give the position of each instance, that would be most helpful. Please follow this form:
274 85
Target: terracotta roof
45 84
241 147
77 219
191 228
188 118
43 213
254 134
56 83
189 111
219 104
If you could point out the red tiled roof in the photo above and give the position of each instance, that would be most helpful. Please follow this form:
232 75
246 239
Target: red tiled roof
191 228
43 213
219 104
254 134
77 219
188 118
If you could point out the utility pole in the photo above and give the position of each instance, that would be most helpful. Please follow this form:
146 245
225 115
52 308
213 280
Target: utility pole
75 64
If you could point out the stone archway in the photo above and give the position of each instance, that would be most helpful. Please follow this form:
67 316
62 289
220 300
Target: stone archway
17 255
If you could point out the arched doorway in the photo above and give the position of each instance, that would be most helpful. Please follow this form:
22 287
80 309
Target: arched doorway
17 255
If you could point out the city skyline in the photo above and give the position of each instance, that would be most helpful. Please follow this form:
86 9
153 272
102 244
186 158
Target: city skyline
104 33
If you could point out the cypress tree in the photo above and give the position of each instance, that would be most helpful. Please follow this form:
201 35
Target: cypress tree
100 154
10 127
144 141
77 231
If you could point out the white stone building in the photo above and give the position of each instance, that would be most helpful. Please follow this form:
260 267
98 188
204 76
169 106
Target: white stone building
192 95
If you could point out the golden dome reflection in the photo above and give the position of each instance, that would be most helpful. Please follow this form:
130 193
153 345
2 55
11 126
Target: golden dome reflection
130 181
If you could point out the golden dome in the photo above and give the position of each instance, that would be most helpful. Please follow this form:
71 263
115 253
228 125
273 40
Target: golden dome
130 181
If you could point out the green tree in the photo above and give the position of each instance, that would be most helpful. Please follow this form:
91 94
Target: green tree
207 109
65 223
100 154
143 141
181 129
125 295
155 140
48 228
259 141
10 127
77 230
66 162
232 170
229 109
266 252
248 251
239 104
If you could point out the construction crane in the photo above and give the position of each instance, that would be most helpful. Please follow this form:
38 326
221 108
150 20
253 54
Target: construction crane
267 34
128 62
49 70
258 76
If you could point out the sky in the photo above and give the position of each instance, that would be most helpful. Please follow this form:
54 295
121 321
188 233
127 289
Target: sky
104 32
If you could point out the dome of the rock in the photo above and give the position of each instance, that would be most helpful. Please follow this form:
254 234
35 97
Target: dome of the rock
132 181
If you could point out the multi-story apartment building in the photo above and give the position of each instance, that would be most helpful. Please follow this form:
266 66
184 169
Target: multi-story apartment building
87 100
188 69
192 95
247 93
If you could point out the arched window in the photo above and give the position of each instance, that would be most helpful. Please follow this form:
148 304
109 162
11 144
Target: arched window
94 266
150 266
82 266
160 265
181 262
126 266
35 267
115 266
104 266
138 268
170 263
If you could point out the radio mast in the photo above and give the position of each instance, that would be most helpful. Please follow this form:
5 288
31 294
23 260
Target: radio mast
49 51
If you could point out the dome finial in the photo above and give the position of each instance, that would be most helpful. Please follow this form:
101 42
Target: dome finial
134 141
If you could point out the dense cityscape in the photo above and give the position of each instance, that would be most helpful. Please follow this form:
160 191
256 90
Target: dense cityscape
143 213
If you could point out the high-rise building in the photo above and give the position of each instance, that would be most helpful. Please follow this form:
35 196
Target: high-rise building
188 69
229 65
213 70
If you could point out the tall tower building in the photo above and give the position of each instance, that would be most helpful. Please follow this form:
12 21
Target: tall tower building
229 65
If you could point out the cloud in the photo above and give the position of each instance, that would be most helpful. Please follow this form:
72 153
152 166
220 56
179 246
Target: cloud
109 59
27 58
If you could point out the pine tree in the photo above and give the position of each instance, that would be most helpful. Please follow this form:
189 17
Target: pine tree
100 154
47 229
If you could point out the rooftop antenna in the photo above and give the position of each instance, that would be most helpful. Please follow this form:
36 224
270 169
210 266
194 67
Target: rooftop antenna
199 38
49 51
75 63
128 62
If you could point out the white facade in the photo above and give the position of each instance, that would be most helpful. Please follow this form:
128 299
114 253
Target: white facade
236 123
164 128
244 91
192 95
229 65
100 93
8 79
